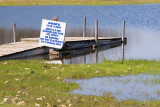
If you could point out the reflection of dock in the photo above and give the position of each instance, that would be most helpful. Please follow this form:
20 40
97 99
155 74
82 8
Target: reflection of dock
30 46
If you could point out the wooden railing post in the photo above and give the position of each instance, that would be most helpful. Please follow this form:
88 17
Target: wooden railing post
84 27
14 32
123 30
96 31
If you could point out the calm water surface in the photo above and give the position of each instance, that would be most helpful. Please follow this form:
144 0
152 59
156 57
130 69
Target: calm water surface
142 28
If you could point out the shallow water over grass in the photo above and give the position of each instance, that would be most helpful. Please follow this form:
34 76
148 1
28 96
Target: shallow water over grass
139 87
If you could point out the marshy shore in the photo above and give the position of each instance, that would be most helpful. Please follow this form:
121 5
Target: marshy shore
35 83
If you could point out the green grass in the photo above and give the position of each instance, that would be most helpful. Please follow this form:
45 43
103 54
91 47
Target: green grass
31 82
73 2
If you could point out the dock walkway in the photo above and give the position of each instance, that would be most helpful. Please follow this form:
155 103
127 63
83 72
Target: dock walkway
27 46
11 48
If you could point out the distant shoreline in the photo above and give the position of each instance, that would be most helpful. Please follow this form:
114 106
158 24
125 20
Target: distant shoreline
74 2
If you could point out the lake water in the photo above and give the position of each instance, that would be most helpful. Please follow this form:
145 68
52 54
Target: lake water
142 28
141 87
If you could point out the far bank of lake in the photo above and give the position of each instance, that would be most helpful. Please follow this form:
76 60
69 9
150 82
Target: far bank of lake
74 2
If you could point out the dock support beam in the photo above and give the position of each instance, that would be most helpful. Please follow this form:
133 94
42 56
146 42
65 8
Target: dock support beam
123 31
84 27
96 31
14 32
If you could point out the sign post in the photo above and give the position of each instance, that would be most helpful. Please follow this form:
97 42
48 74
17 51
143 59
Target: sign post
52 33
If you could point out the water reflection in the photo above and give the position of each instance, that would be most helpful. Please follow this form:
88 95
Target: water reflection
139 87
80 56
123 58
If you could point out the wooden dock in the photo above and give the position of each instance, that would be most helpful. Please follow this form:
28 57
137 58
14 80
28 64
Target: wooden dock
30 46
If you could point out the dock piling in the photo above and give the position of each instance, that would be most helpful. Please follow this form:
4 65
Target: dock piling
84 27
123 31
14 32
96 31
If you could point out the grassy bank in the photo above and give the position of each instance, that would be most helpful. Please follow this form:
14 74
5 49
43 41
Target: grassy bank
33 83
73 2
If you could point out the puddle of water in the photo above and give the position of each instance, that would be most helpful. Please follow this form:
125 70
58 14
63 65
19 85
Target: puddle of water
138 87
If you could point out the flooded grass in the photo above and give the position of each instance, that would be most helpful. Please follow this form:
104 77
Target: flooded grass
137 87
33 83
73 2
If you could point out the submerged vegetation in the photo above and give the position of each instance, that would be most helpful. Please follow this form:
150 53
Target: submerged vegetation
73 2
34 83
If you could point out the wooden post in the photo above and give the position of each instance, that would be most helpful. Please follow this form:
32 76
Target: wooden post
123 31
14 32
96 31
55 18
84 27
